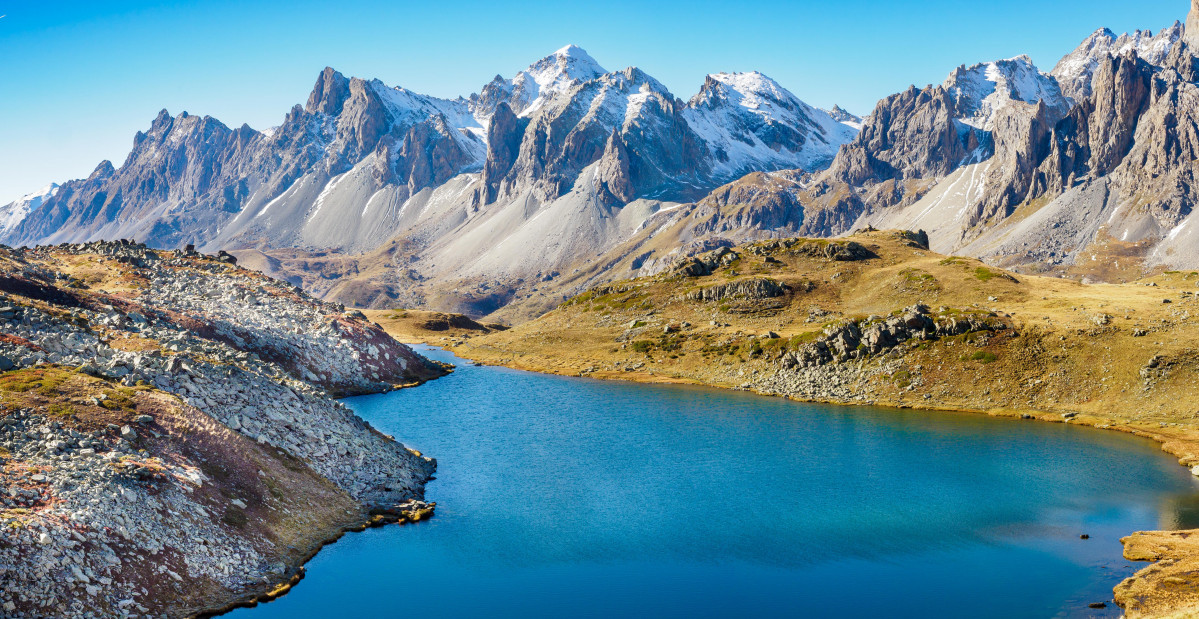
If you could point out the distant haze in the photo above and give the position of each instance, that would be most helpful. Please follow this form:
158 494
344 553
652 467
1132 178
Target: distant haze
80 77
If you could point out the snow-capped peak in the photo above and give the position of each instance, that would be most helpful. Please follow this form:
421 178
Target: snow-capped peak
752 90
408 107
13 213
983 89
571 61
751 122
1074 70
550 76
840 115
41 195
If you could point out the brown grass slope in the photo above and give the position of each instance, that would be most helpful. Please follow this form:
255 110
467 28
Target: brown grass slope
1115 356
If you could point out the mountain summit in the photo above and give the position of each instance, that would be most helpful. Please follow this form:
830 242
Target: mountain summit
550 181
531 174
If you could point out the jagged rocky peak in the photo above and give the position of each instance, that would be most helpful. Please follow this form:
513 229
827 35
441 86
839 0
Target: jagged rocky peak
840 115
329 94
530 89
1076 70
980 91
1192 27
103 170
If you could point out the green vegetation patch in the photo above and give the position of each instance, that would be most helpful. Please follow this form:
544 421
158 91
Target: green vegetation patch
44 381
982 356
985 274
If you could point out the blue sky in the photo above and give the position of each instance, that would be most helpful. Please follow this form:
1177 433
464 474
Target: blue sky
79 78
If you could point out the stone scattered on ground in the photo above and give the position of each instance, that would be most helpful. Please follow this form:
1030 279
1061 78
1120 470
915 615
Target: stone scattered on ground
169 438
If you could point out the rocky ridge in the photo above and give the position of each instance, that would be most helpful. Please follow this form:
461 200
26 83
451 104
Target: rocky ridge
1085 171
171 445
566 158
338 171
569 175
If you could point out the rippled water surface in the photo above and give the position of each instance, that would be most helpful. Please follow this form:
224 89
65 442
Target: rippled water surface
570 497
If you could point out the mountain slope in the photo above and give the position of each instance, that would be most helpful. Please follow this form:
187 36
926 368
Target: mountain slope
13 213
532 175
1092 178
1075 70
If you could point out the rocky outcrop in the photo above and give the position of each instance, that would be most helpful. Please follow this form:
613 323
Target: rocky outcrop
504 135
706 263
858 339
747 289
182 431
613 180
839 251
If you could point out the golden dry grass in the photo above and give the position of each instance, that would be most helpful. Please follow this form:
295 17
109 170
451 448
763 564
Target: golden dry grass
1078 349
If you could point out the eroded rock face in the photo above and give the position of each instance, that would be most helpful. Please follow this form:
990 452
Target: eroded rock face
758 288
1021 141
613 178
504 135
429 155
1192 27
1139 129
911 134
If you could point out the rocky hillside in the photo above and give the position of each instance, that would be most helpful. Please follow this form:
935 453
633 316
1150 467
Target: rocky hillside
531 175
877 318
547 159
1085 171
168 439
566 175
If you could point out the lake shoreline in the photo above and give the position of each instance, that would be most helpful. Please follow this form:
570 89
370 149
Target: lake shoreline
1146 593
409 513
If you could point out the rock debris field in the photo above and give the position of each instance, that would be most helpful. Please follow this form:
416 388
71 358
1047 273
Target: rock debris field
169 441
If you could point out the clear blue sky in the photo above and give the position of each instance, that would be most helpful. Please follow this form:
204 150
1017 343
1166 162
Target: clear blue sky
79 78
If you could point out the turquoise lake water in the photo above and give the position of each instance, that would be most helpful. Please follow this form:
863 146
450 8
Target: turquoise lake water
565 497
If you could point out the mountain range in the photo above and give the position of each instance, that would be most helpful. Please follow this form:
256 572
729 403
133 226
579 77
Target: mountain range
567 174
